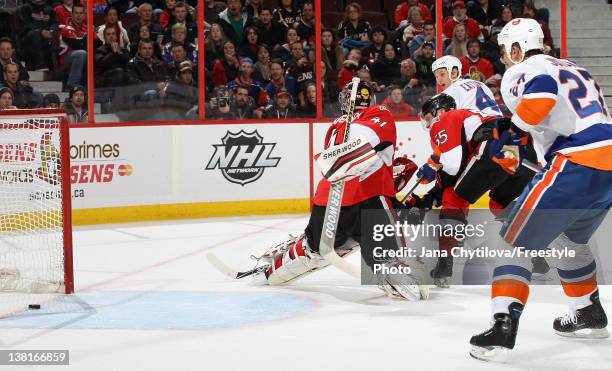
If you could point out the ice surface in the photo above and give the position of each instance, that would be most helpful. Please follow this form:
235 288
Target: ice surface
147 299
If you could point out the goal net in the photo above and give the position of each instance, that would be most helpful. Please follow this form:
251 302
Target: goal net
35 227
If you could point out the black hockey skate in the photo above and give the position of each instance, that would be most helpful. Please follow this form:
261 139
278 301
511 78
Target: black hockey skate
586 323
442 272
495 343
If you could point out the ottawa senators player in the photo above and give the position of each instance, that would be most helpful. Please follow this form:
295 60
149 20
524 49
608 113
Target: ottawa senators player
368 172
473 153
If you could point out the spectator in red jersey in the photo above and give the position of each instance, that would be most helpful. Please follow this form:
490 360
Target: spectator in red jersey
111 20
349 69
332 54
473 66
396 104
225 69
234 20
181 16
251 43
6 57
164 16
483 11
63 11
36 24
460 17
386 69
401 12
506 15
73 46
529 11
414 27
145 18
354 31
286 13
370 54
458 44
306 25
76 106
110 61
6 98
272 32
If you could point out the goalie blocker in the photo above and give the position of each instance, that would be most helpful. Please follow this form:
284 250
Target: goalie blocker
365 163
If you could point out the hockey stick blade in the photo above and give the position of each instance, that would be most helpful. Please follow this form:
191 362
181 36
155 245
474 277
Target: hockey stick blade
226 270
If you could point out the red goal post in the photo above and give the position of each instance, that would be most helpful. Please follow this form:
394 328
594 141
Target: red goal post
35 205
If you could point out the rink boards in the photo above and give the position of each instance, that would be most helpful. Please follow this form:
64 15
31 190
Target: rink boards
137 173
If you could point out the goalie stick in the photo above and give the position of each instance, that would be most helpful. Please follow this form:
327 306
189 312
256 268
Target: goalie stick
334 203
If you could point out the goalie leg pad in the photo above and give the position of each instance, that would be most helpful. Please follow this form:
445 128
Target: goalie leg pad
292 263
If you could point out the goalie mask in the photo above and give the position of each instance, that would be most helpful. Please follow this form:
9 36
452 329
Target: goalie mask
364 98
433 104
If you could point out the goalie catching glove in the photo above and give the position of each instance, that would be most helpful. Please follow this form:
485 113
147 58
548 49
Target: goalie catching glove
348 160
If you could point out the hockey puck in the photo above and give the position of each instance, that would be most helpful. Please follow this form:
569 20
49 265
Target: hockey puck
34 306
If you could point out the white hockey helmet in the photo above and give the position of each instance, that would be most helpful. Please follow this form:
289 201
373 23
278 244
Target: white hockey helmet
524 31
447 62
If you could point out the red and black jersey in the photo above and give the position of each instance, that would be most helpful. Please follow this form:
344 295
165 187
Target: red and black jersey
479 70
377 125
451 137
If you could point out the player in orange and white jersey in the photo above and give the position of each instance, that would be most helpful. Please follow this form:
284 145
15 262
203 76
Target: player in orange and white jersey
563 108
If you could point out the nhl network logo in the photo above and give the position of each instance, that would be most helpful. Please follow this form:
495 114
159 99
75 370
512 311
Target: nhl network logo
242 157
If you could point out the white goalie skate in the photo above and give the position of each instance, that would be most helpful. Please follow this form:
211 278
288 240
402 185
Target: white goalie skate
404 286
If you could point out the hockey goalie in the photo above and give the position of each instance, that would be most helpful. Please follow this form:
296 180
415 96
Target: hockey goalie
365 162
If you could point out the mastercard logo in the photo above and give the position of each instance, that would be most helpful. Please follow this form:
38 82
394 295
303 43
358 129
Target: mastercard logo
125 170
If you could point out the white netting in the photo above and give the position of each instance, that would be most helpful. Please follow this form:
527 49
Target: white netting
31 218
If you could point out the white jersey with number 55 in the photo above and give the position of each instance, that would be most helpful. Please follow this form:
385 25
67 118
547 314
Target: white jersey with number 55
474 95
563 107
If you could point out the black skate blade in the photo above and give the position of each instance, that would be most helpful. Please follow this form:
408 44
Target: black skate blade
587 333
496 354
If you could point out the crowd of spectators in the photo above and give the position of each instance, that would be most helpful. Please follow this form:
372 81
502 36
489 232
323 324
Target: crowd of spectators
259 60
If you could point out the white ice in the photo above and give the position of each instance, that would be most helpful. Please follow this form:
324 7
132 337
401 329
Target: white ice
147 299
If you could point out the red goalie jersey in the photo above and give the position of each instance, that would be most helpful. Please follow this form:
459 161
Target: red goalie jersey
377 125
452 137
